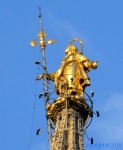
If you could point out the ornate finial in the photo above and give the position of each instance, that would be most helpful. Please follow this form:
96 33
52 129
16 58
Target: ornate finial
41 36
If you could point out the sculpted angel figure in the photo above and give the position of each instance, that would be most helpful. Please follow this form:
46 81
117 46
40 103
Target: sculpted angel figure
71 78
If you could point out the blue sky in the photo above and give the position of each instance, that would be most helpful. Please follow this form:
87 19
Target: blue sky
99 24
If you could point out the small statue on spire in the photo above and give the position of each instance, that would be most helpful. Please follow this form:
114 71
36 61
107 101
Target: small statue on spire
71 78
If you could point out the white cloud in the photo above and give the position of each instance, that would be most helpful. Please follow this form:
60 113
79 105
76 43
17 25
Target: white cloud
64 26
109 127
41 146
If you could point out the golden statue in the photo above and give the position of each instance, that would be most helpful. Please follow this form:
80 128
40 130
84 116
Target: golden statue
71 78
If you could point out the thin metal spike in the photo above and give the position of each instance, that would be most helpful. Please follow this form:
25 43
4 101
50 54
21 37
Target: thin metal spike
40 19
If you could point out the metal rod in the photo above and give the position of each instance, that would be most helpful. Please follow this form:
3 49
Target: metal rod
45 74
66 110
46 90
49 131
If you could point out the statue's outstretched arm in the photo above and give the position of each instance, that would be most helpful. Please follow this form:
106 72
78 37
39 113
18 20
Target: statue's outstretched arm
87 63
90 65
50 76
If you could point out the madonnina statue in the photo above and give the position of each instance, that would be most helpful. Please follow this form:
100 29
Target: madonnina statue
71 78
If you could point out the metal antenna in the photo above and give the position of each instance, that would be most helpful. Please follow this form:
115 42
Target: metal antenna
43 43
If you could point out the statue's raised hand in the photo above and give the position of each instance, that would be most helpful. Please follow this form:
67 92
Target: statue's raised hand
95 64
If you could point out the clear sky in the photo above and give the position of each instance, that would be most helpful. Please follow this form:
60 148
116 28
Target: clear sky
99 24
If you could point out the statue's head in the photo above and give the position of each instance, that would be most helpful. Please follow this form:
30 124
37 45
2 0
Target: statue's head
71 49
